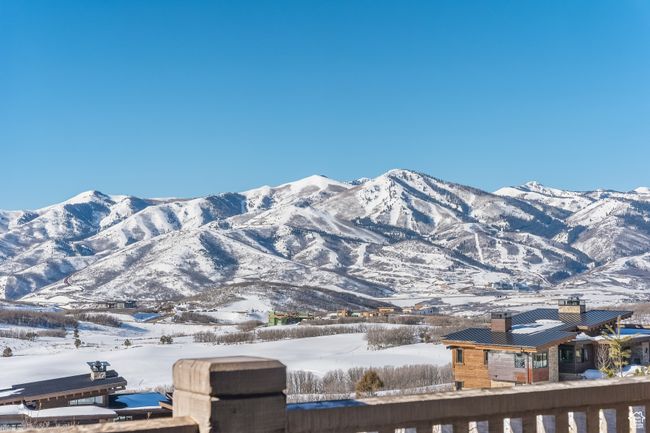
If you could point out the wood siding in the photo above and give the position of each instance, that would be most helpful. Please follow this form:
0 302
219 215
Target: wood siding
472 372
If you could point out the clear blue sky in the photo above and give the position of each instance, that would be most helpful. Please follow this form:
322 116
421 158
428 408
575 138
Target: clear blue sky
187 98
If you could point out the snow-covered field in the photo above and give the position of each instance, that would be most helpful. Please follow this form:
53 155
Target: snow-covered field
148 364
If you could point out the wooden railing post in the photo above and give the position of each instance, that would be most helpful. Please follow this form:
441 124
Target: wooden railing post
231 394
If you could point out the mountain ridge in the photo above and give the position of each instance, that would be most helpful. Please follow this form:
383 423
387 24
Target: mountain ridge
402 232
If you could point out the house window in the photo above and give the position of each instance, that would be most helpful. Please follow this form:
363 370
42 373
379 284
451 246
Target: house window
579 355
566 354
459 356
87 401
485 357
540 360
520 360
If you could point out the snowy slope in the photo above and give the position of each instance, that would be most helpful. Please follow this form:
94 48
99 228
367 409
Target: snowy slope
401 233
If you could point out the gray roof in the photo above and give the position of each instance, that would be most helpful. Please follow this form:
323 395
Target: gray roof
484 336
564 331
34 391
588 319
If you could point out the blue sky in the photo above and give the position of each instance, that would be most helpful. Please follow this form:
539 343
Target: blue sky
187 98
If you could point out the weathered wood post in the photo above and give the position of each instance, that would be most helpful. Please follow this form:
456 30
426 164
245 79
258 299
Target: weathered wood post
231 394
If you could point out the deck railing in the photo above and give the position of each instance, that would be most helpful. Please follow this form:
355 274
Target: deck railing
246 395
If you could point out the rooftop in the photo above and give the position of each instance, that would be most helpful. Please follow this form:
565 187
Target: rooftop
62 386
538 328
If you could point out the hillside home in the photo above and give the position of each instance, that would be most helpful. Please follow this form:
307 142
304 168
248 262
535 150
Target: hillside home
541 345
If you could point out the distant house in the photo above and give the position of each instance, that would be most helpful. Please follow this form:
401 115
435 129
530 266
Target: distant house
81 399
280 318
541 345
385 311
117 305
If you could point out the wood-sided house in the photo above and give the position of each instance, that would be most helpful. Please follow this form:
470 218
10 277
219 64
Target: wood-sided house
541 345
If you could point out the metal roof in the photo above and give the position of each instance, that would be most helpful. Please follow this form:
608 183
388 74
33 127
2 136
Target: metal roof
564 331
63 386
485 336
588 319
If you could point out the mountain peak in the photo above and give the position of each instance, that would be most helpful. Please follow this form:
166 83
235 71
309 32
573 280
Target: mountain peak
88 196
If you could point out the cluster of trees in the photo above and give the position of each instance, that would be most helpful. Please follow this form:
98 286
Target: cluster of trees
36 319
365 381
275 333
380 338
192 317
99 319
166 339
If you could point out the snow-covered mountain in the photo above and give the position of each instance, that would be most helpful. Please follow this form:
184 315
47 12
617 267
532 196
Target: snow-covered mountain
342 243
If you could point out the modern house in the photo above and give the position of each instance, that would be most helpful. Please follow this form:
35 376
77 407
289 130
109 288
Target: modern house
541 345
81 399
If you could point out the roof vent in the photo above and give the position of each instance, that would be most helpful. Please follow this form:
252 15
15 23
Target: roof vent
501 321
97 369
571 305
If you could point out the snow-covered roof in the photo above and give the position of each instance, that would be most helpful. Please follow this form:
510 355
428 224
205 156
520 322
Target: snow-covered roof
71 411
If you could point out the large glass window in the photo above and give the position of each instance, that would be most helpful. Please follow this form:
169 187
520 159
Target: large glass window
520 360
540 360
566 354
87 401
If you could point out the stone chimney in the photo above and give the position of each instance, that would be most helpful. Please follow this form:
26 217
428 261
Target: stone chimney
501 321
571 305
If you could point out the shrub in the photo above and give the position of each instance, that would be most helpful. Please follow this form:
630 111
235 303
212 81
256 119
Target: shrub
18 334
369 384
7 352
77 343
192 317
57 333
205 337
166 339
249 325
99 319
278 333
379 338
340 383
36 319
236 338
127 342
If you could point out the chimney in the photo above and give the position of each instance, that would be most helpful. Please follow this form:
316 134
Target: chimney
571 305
97 370
501 321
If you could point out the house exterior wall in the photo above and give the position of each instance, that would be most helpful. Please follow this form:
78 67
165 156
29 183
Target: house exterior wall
578 364
472 372
501 367
553 366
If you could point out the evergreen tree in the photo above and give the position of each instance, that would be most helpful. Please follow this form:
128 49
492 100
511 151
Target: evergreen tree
127 342
77 343
368 384
619 354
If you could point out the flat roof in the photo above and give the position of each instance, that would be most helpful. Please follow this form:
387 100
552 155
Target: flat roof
60 387
142 400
